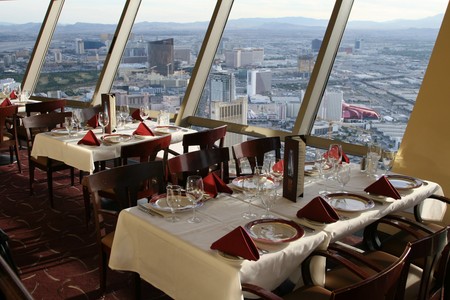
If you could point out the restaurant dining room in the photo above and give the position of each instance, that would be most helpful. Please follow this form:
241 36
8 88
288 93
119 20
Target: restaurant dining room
228 149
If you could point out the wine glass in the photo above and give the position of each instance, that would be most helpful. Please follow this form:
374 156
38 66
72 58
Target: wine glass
388 157
125 113
319 161
268 196
194 191
173 194
68 124
334 156
6 90
276 172
103 120
373 157
343 175
143 112
249 190
18 93
76 119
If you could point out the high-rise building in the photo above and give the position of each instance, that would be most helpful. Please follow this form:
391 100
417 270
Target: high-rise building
58 55
331 107
305 65
315 45
79 46
161 55
183 54
222 86
241 57
259 82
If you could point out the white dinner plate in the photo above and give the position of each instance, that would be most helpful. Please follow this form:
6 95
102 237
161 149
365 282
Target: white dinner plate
116 138
159 203
59 131
274 231
404 183
349 202
161 130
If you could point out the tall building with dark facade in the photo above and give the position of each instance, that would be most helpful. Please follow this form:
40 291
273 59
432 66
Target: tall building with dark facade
160 56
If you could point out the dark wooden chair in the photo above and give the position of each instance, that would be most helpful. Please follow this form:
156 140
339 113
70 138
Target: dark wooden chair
127 182
381 285
254 151
205 139
144 152
418 279
8 133
45 107
10 285
44 123
199 162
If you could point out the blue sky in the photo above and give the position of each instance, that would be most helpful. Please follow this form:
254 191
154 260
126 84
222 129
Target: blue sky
107 11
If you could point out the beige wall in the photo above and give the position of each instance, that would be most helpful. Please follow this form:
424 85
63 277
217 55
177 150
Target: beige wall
425 149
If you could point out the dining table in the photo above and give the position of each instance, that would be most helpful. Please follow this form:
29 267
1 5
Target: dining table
59 145
177 257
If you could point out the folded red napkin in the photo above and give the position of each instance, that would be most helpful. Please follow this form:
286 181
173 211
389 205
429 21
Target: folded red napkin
6 103
89 139
237 243
279 166
213 184
383 187
344 156
318 210
137 115
143 129
13 95
93 122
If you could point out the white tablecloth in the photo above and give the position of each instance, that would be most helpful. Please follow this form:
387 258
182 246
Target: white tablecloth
176 257
82 157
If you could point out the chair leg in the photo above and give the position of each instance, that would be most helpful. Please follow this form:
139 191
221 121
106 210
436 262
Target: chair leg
103 266
72 176
87 205
31 175
137 286
50 186
16 150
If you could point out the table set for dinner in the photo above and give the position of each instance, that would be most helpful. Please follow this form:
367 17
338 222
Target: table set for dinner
202 260
83 147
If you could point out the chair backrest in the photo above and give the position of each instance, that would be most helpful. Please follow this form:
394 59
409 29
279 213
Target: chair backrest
205 139
199 162
254 151
441 275
379 286
10 285
127 182
45 107
8 114
146 151
42 123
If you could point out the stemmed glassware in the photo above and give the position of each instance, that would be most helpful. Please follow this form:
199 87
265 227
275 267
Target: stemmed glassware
6 90
343 175
388 157
334 156
103 120
173 194
373 157
194 191
143 112
124 114
319 161
68 124
268 196
250 190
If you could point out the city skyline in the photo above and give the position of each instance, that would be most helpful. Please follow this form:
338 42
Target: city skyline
383 10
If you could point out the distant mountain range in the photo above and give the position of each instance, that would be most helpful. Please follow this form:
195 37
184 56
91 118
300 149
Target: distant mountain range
286 23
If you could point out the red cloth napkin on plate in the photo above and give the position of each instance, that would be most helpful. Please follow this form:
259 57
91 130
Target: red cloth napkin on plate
143 129
6 103
318 210
89 139
93 122
237 243
213 184
137 115
13 95
279 166
383 187
344 157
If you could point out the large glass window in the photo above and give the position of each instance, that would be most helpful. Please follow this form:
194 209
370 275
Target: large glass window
378 71
19 28
264 62
161 52
78 49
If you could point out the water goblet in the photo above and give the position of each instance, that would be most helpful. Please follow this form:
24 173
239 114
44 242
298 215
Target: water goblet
249 190
373 157
6 90
143 112
68 124
343 175
268 196
388 158
124 114
319 161
103 120
194 191
334 156
173 194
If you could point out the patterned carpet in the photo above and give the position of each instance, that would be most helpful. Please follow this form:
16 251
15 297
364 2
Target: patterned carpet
55 253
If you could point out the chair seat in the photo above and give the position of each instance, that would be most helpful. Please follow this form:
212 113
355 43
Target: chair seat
7 136
311 293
